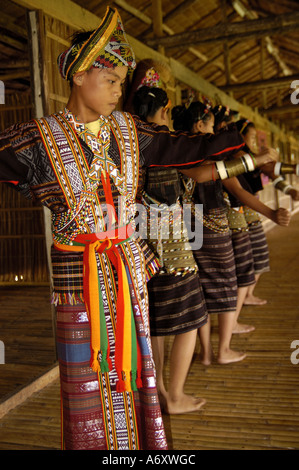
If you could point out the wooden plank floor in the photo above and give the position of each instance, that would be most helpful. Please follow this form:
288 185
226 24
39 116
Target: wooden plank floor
250 405
26 329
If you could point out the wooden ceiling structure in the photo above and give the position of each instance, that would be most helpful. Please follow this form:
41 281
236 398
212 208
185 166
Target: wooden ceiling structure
243 53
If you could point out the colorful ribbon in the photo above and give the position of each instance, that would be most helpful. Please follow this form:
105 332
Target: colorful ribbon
127 351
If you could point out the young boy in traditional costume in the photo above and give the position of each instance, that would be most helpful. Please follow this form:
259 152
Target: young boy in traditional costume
83 164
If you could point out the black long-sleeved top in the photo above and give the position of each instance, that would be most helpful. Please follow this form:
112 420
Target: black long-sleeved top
25 164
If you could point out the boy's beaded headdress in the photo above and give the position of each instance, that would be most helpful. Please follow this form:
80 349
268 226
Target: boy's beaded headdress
107 47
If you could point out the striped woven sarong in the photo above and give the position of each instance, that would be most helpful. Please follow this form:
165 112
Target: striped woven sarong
95 414
91 404
259 247
243 258
217 271
176 304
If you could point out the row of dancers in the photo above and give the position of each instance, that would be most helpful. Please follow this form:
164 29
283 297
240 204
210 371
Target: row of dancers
219 277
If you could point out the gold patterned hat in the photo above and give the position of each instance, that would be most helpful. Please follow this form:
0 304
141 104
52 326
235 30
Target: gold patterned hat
107 47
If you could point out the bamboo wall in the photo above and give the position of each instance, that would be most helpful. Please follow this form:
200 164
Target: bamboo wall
22 241
17 107
55 39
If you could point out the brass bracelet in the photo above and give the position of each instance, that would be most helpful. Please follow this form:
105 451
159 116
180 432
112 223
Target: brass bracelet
230 168
280 184
235 167
284 168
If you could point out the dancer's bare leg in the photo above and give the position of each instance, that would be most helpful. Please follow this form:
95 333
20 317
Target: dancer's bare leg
239 327
226 355
250 298
181 355
206 352
158 344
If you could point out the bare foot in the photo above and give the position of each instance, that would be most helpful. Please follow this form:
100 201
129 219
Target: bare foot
206 358
206 361
230 356
252 300
184 404
240 328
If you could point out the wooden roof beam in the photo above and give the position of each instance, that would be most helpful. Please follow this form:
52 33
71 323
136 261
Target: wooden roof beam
240 31
147 20
7 24
14 64
15 75
291 108
267 41
180 9
140 15
134 11
13 43
280 82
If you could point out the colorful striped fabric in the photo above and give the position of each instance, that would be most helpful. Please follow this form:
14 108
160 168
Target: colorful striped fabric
106 47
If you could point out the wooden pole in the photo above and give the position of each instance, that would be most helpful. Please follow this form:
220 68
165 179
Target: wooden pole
158 22
226 55
35 20
262 46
